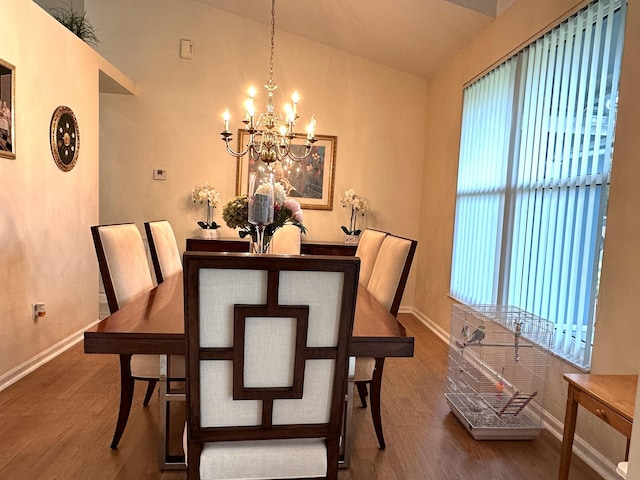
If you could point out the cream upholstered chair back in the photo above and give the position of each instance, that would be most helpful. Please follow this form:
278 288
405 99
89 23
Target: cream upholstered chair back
163 247
286 240
367 251
125 272
123 262
391 270
267 350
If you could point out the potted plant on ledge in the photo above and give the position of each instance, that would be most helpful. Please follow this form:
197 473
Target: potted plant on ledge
205 193
359 207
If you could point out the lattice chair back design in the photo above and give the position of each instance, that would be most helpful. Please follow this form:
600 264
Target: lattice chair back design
163 248
286 240
267 350
124 268
367 251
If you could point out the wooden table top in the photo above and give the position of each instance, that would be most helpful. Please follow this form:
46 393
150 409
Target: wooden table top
618 392
153 323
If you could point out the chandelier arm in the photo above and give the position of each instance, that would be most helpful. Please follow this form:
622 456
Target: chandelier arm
296 158
283 151
232 152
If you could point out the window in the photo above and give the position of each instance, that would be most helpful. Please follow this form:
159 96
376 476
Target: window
535 156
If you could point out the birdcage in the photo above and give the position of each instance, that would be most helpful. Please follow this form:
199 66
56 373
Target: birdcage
498 369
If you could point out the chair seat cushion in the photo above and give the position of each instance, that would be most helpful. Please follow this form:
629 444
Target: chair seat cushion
364 369
148 366
264 459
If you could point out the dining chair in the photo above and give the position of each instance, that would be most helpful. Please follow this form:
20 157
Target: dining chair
125 275
286 240
267 351
387 283
367 251
163 248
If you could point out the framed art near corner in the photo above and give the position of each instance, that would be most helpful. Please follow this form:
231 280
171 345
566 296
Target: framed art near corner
7 113
310 181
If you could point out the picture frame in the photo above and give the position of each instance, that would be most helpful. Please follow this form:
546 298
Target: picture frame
309 181
7 110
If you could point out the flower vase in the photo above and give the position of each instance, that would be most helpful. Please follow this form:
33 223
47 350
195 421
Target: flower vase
209 233
351 239
261 248
260 208
260 243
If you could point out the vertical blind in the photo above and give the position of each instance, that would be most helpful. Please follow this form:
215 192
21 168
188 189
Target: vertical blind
535 157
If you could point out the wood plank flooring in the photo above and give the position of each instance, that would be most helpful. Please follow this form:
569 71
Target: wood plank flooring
57 423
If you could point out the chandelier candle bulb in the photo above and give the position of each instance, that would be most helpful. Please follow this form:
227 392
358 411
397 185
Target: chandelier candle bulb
311 127
248 106
226 116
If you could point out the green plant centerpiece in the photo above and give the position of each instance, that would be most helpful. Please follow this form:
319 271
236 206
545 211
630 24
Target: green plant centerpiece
235 213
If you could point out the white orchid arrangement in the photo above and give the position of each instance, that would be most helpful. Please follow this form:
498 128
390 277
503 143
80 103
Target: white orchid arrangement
206 193
359 207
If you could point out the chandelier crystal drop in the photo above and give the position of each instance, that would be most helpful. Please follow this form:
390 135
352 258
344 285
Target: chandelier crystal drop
271 135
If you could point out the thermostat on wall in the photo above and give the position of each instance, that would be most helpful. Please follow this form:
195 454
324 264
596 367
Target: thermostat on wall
159 174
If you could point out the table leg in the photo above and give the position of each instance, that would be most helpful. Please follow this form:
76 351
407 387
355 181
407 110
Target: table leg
567 436
347 420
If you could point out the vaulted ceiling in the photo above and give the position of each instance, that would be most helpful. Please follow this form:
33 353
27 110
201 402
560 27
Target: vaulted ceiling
414 36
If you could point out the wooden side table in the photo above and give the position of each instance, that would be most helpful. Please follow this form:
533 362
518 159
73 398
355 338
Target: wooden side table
610 397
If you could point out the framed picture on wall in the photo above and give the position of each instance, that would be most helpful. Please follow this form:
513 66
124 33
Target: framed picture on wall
310 181
7 113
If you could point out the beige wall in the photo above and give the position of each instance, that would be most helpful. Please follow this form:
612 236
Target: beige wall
174 121
397 145
617 331
46 252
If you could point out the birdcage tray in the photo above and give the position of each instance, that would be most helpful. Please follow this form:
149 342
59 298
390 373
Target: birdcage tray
481 421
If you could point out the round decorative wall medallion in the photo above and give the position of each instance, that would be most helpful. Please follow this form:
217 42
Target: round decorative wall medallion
65 138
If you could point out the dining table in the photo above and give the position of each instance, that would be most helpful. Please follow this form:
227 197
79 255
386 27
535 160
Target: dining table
153 323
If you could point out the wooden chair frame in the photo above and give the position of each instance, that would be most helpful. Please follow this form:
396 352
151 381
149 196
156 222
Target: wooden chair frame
197 435
155 248
375 383
153 251
127 381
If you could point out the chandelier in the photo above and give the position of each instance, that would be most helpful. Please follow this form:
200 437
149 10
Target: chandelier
271 135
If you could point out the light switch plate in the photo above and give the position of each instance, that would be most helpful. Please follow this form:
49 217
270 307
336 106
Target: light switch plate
159 174
185 49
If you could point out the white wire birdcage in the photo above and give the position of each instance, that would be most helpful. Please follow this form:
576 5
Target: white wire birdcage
498 369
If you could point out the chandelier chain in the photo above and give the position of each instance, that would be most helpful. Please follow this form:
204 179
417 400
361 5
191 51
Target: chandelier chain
273 43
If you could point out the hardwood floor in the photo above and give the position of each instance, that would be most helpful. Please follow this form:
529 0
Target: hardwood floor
57 423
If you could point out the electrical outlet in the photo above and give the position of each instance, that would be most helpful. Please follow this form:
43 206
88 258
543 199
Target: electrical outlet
39 310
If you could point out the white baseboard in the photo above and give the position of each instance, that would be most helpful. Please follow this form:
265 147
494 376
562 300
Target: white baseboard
21 371
601 465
